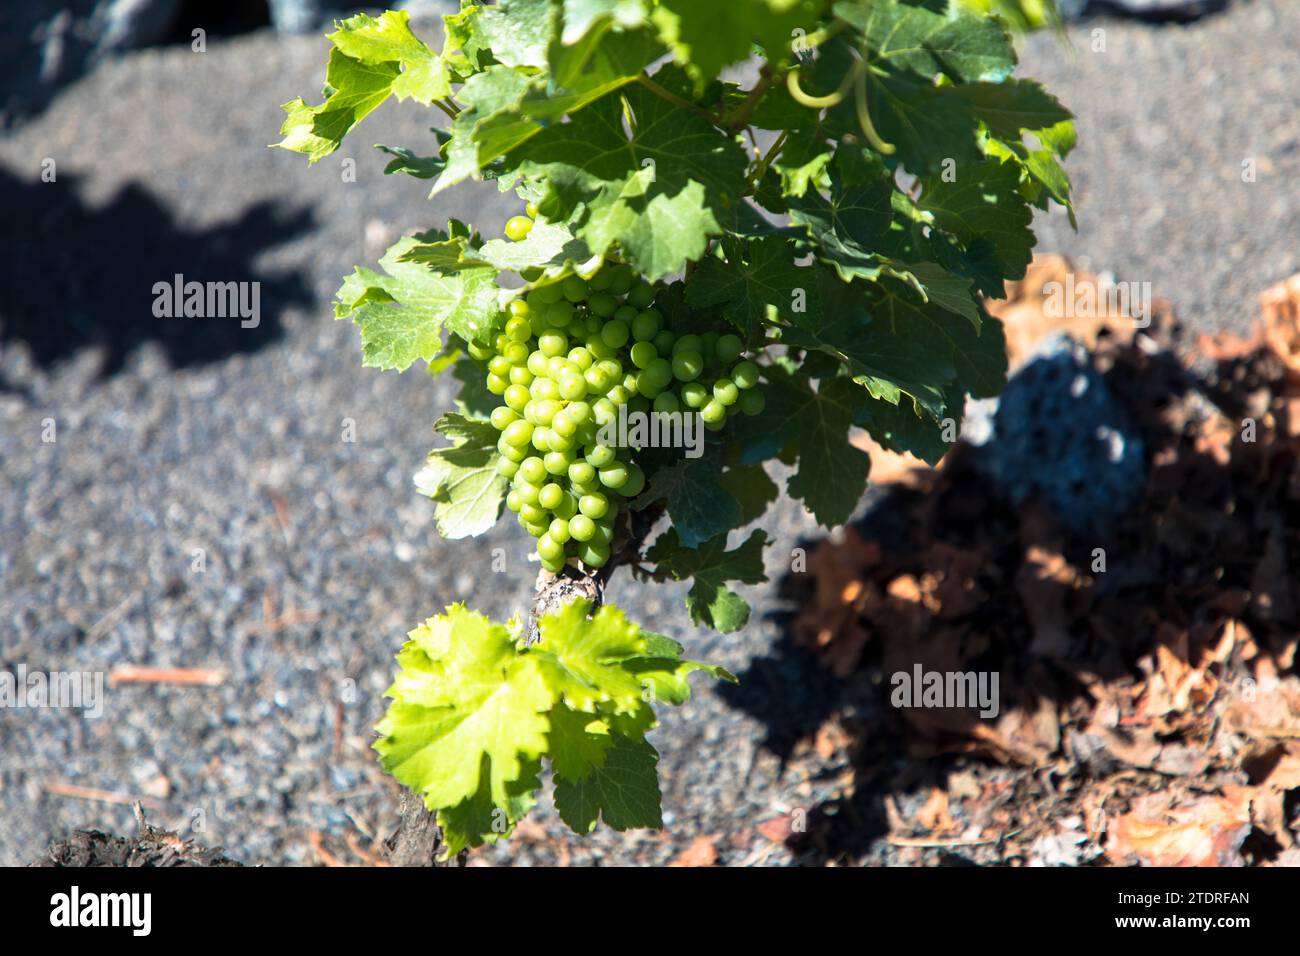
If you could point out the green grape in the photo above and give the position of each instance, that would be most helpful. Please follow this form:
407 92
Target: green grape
601 279
604 531
542 439
519 375
579 413
687 366
635 481
563 425
541 411
496 384
752 403
518 228
544 388
562 443
537 364
559 530
625 313
508 450
480 352
614 334
559 314
597 347
581 528
499 366
638 405
618 395
580 358
594 555
582 472
688 343
629 383
745 375
531 510
535 528
729 348
604 411
518 329
646 387
622 280
532 470
531 209
694 395
713 412
598 456
502 416
613 368
643 353
575 288
519 433
547 294
516 396
645 326
557 462
725 391
516 353
568 506
549 548
553 566
614 475
642 295
573 387
667 403
709 341
597 379
507 468
550 496
528 492
664 340
519 308
659 373
553 343
513 501
602 304
593 506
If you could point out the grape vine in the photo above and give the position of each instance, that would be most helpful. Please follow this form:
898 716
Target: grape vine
708 275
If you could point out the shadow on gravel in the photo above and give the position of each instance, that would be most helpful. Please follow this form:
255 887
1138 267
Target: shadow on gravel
1121 683
74 276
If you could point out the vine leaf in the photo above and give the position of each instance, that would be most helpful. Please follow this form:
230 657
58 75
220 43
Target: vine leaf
660 192
832 473
463 478
700 506
983 205
623 790
711 565
753 281
467 724
372 59
402 313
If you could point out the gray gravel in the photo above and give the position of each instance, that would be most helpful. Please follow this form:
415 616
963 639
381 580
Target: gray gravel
98 531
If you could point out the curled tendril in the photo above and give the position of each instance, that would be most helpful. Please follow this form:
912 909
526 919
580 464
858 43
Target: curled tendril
818 102
856 77
864 116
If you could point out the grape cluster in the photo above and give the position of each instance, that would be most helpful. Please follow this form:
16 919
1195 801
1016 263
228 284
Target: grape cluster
571 354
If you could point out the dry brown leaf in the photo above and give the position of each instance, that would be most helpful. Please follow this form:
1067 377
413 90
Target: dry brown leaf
701 852
1206 832
1028 312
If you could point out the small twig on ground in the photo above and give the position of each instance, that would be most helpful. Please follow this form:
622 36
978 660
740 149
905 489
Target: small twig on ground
140 674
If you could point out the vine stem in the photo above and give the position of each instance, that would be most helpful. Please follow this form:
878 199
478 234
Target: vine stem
673 98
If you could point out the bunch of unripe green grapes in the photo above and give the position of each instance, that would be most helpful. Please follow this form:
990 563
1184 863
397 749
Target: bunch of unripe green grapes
571 354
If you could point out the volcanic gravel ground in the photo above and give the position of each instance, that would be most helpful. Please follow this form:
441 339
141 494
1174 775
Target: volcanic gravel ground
201 508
